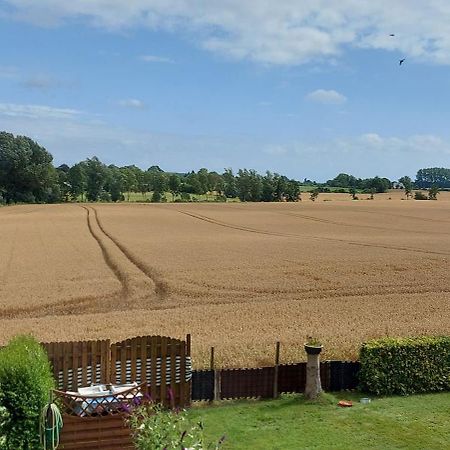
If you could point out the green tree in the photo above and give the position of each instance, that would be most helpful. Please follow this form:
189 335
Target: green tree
438 176
230 186
96 177
202 176
193 184
174 184
63 182
433 192
26 171
407 185
353 192
268 188
343 180
115 183
129 179
159 185
216 183
314 195
249 185
76 177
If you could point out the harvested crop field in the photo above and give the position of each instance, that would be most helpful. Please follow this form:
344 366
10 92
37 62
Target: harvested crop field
237 276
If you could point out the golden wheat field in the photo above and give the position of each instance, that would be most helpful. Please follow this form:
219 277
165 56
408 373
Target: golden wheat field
237 276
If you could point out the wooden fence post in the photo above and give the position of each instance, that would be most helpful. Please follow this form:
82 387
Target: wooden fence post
188 344
275 376
211 361
217 380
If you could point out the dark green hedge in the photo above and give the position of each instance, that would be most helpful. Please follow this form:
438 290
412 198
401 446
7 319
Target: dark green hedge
25 384
405 365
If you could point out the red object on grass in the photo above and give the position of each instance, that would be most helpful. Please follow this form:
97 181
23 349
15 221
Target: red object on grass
345 403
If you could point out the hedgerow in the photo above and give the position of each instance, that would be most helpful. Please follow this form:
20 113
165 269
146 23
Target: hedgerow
405 365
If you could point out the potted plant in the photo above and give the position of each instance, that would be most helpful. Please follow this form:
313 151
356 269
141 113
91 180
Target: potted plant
313 346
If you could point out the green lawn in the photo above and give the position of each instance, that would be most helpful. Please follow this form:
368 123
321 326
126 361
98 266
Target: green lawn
416 422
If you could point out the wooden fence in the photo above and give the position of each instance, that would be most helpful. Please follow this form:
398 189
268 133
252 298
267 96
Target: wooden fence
268 382
159 364
163 363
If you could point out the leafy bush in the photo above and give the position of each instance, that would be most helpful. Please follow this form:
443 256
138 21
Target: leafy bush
405 365
420 196
157 428
25 383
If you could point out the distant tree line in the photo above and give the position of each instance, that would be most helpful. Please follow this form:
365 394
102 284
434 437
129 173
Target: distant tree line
434 176
370 185
27 175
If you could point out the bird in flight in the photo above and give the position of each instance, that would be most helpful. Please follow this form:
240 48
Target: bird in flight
392 35
401 61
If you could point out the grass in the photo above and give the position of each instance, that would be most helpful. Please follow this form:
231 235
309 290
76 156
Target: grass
417 422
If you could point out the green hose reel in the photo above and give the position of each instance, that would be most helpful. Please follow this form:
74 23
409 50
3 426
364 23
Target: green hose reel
51 424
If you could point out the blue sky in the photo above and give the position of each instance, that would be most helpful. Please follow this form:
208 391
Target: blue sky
307 89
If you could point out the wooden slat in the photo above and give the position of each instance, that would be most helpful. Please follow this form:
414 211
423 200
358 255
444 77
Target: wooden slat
183 390
84 363
143 356
133 356
154 353
106 363
113 363
163 355
173 363
74 364
65 366
93 357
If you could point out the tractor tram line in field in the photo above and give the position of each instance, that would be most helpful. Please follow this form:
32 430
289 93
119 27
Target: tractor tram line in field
121 276
161 286
314 237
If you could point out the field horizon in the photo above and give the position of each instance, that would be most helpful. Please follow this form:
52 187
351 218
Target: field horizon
237 276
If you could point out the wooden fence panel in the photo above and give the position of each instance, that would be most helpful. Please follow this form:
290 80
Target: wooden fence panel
77 364
243 383
292 377
344 375
96 433
325 374
203 385
162 362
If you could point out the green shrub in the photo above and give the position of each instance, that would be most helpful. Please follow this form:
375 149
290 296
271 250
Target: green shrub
405 366
420 196
157 428
25 383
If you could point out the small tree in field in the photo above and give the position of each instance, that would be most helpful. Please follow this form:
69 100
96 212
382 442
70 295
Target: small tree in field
352 192
156 197
407 184
314 194
433 192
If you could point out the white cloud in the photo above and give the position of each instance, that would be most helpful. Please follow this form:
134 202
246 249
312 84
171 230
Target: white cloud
132 103
286 32
156 59
37 111
71 135
328 97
